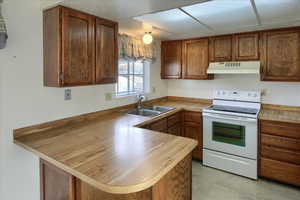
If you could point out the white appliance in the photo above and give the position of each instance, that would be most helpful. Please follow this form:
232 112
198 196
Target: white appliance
230 132
245 67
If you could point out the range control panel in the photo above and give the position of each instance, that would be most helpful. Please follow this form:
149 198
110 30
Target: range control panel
238 95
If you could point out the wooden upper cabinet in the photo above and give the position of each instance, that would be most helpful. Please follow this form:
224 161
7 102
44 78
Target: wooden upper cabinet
246 47
171 60
71 41
280 55
106 51
195 59
220 48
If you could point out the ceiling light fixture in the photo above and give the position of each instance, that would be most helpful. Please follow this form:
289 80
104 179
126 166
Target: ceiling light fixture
147 38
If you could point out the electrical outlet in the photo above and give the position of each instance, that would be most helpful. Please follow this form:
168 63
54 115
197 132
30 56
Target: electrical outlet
264 92
153 89
68 94
108 96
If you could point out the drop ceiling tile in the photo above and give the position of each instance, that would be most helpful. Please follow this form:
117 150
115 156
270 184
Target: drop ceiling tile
173 21
275 11
224 14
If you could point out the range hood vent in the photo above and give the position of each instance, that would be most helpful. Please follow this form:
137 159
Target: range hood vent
245 67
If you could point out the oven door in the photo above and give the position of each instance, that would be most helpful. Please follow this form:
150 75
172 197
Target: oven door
230 134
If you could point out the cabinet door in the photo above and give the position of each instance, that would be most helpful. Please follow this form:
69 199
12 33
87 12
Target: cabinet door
281 55
246 47
220 48
160 125
195 59
77 48
55 183
171 60
194 131
106 51
175 129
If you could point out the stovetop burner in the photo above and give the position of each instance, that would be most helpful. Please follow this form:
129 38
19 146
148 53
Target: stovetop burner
234 109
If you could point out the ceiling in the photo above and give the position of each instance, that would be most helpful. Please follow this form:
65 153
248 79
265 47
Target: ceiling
177 19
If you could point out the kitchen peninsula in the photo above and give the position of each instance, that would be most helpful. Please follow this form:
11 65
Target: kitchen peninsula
104 156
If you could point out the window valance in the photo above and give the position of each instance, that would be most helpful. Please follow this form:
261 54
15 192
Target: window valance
131 48
3 32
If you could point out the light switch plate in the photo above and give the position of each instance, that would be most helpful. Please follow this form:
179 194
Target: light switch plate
68 94
108 96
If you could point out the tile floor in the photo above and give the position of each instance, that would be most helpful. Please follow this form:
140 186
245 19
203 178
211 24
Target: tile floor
212 184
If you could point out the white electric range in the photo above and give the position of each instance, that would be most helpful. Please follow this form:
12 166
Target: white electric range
230 132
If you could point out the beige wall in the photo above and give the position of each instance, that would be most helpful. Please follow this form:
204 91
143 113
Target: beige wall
24 101
275 92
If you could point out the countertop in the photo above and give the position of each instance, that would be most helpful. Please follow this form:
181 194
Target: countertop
280 113
108 151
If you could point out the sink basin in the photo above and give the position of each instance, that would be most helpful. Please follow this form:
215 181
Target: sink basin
143 112
161 109
150 111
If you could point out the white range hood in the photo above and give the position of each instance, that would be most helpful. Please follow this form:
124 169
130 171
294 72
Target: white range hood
244 67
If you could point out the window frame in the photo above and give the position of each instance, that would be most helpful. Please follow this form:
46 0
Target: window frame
128 74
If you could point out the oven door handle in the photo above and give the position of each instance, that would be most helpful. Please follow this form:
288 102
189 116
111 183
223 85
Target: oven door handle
236 118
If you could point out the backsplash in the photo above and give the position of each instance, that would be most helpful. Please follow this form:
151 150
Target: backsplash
281 93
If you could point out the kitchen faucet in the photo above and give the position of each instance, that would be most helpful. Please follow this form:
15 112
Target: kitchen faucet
140 98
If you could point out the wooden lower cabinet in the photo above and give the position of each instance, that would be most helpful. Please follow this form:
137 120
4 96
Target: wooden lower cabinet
194 131
280 171
160 125
57 184
186 124
175 129
280 151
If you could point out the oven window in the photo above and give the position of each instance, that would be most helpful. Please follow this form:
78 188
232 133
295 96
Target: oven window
229 133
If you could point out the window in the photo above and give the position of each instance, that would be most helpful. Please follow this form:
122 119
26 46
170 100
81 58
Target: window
131 79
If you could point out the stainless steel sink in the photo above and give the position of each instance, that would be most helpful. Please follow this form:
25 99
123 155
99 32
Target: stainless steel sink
161 109
143 112
150 111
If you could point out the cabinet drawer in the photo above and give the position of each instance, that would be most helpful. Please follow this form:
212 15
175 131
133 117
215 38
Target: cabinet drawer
174 119
281 171
160 125
282 142
280 129
193 117
280 154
